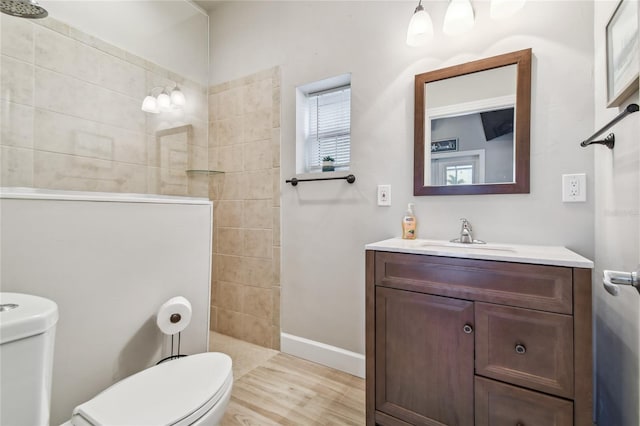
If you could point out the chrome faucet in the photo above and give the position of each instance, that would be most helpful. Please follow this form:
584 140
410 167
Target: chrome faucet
466 237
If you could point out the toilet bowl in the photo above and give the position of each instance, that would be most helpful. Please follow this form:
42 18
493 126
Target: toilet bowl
192 390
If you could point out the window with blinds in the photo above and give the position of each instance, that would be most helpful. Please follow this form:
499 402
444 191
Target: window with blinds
328 132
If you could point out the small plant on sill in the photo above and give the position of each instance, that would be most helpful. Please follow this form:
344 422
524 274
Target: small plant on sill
328 164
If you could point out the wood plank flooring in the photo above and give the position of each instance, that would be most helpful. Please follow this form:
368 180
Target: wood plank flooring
279 389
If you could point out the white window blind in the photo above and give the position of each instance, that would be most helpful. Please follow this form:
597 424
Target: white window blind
329 128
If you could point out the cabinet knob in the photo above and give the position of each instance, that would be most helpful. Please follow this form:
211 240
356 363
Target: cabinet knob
467 329
520 349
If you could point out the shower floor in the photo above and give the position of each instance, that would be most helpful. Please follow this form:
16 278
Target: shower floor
272 388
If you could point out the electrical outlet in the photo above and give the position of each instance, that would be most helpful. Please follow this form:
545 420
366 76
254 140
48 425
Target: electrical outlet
574 188
384 195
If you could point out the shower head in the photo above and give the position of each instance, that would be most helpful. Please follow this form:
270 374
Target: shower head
23 9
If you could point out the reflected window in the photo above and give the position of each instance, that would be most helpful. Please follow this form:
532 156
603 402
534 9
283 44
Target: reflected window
459 174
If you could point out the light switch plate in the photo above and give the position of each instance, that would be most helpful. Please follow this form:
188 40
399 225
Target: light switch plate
384 195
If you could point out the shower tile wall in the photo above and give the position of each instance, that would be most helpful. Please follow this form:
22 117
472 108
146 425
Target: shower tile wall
244 142
71 118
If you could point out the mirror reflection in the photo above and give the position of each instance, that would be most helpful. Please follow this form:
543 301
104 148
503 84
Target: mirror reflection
469 127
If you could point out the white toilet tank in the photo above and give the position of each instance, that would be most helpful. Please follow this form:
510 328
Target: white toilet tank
27 333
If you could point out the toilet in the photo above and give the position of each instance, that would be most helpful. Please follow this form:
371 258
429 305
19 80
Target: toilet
192 390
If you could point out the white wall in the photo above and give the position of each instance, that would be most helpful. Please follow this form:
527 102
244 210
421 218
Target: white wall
326 224
617 236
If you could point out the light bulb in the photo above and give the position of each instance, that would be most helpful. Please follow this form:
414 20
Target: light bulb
500 9
420 27
177 97
459 17
150 104
164 102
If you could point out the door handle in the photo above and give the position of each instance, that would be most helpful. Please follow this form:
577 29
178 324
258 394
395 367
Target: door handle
612 279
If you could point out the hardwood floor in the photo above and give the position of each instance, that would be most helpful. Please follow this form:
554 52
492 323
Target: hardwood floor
272 388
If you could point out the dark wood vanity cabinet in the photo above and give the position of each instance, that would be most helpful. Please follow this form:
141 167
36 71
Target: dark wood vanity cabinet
463 342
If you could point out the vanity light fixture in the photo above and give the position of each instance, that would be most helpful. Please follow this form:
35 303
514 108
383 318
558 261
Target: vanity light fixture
163 102
458 19
420 27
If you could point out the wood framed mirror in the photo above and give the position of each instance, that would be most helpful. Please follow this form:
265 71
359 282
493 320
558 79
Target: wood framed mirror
472 127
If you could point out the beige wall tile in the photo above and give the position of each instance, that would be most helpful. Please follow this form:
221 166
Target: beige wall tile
276 265
257 155
214 101
258 243
199 131
257 271
214 290
53 24
275 339
17 166
17 125
65 134
230 269
275 108
234 186
173 150
198 185
257 302
213 134
230 158
213 318
231 296
228 213
259 185
276 188
61 171
276 226
214 158
16 38
275 306
153 180
216 182
257 125
68 95
230 103
16 80
229 131
230 241
173 182
257 214
257 96
198 157
230 323
257 330
275 147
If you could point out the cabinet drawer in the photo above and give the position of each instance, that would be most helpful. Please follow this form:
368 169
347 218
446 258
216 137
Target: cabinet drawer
547 288
524 347
498 404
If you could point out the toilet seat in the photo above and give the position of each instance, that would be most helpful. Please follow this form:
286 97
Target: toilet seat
175 393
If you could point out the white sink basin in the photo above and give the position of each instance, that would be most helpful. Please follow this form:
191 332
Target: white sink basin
435 245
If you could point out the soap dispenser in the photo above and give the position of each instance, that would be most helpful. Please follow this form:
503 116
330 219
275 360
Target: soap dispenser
409 224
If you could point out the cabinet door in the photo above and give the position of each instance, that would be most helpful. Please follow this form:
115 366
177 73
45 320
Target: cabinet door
424 358
499 404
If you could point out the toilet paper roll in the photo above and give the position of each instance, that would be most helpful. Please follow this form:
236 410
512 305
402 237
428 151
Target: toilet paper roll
174 315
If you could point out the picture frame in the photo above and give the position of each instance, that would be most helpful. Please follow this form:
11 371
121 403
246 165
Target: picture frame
444 145
623 45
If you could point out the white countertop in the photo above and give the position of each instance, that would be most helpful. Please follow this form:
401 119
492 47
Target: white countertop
541 255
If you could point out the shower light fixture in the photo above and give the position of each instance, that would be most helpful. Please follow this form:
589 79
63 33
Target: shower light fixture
163 102
458 19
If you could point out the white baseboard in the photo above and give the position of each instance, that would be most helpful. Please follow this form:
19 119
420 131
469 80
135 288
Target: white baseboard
331 356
